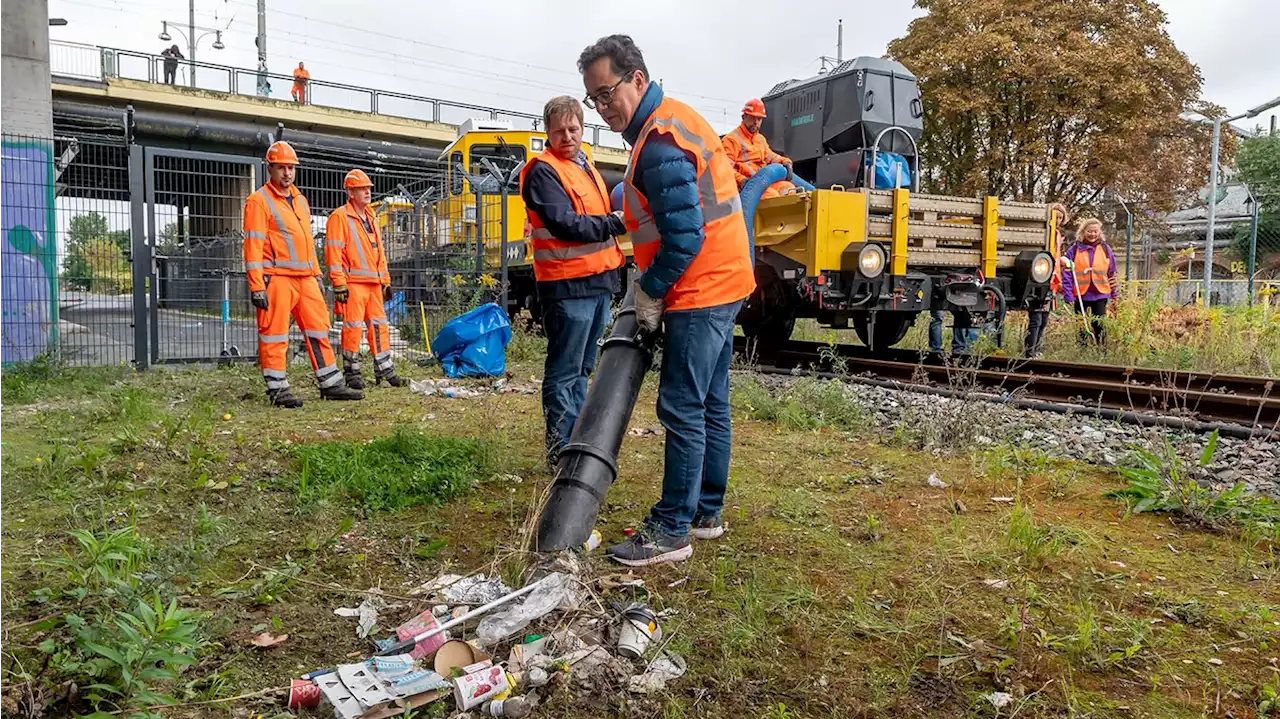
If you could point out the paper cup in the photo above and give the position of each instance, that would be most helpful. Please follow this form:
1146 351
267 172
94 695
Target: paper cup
304 694
639 625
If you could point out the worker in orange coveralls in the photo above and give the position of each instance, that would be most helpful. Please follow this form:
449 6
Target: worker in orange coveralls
301 78
357 261
284 281
749 151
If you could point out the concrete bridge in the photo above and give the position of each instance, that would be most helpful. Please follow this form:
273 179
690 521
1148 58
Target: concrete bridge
225 113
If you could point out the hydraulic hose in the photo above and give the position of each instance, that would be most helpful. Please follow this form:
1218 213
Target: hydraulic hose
750 195
588 463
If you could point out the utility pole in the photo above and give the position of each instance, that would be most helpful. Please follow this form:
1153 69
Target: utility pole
191 38
261 42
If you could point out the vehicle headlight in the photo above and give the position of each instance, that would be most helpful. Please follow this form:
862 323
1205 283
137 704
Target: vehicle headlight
1042 268
871 260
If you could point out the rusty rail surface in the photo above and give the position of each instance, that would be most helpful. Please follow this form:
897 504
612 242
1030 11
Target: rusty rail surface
1199 397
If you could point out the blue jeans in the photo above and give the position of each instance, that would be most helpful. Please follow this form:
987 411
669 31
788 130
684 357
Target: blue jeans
693 406
961 334
573 328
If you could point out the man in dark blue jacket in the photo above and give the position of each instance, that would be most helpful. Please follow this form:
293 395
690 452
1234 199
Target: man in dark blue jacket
696 270
576 262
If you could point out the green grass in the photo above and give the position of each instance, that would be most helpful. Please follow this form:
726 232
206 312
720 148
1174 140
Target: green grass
806 403
402 470
845 586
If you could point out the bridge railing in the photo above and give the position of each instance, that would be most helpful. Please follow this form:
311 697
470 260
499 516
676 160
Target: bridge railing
94 62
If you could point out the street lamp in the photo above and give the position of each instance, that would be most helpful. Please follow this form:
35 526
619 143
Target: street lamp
192 40
1213 182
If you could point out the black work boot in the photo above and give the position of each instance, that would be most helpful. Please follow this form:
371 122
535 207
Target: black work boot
353 379
283 398
340 391
392 379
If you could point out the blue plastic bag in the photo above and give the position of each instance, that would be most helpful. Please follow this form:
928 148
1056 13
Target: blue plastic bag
474 344
397 314
888 167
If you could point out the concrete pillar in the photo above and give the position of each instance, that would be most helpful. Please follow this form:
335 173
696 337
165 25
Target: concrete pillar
28 250
27 104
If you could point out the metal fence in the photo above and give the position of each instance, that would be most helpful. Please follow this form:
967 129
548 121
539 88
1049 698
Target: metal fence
123 254
92 62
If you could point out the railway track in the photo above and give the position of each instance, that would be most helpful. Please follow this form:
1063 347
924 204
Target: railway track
1236 405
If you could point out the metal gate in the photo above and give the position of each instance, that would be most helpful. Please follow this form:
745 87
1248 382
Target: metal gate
188 256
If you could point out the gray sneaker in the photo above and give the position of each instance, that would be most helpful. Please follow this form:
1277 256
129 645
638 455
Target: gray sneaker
648 546
707 527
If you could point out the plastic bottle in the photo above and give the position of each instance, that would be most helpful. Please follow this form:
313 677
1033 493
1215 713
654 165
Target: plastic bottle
513 708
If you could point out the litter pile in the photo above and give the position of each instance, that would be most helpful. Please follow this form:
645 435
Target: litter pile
556 631
448 388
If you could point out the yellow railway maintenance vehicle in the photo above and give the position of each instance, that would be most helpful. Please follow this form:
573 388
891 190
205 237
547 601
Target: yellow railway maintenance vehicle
460 218
865 250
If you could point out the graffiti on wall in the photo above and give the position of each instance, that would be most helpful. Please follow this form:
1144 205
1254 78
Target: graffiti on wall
29 256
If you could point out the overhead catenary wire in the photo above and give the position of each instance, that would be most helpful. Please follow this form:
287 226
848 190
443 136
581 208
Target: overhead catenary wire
541 68
311 40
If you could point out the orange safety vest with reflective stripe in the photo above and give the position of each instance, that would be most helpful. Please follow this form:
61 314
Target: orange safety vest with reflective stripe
749 153
721 272
1097 273
554 259
352 253
277 235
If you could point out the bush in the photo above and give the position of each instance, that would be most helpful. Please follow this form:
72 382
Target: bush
406 469
118 639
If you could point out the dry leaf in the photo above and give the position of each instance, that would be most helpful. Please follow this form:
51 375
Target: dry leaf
266 640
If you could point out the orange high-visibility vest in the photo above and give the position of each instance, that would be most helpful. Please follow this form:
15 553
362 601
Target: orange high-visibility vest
277 235
722 272
352 253
1098 273
560 260
1055 281
749 153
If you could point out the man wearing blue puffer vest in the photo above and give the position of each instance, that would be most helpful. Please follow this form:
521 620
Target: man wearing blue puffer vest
682 212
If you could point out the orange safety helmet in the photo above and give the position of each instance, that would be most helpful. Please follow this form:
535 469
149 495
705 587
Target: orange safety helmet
356 178
754 108
281 153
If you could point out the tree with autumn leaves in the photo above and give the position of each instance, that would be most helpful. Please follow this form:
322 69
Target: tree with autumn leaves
1057 101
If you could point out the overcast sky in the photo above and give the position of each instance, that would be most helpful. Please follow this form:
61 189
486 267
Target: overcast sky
711 53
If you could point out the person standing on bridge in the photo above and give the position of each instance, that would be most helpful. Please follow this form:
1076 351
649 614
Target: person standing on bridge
681 209
1089 277
284 280
749 151
575 262
301 79
171 58
357 261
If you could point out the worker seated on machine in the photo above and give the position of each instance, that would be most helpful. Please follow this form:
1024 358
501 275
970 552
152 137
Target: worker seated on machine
749 151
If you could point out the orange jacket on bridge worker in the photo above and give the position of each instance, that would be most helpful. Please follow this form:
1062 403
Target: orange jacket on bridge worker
357 260
555 259
301 77
284 281
749 151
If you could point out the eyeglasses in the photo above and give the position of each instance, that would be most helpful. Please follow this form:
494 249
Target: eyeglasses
604 97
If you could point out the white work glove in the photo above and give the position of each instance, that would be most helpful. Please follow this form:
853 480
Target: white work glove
617 225
648 310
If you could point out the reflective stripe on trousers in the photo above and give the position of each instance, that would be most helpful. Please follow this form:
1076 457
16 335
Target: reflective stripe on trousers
275 379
